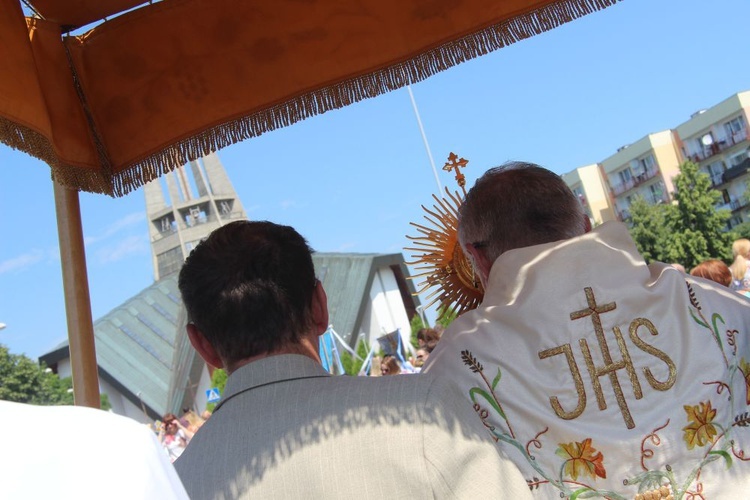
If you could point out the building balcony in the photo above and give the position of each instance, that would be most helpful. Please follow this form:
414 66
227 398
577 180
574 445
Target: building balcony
738 205
734 205
656 199
634 182
736 171
717 180
719 146
197 221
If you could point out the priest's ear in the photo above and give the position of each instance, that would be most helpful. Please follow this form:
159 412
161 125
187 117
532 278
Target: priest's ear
586 223
203 347
320 308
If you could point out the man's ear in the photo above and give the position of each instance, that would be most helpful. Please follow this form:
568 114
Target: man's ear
481 263
586 223
203 347
320 308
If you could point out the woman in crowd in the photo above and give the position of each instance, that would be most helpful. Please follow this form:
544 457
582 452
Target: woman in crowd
428 336
714 270
740 268
390 366
174 436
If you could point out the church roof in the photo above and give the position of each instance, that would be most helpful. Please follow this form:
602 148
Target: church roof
135 345
347 279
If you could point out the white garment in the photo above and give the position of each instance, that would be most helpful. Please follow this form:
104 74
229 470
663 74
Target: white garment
72 452
600 374
176 445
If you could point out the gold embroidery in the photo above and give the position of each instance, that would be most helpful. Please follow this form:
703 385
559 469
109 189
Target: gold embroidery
592 309
659 386
628 364
611 370
610 367
568 351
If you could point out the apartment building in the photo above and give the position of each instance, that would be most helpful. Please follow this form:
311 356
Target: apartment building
644 168
717 139
588 185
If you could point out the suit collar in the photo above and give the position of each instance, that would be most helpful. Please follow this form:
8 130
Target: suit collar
272 369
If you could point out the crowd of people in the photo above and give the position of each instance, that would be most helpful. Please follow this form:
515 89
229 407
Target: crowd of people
735 276
175 433
427 339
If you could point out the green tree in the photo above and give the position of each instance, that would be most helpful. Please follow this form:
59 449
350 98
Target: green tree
20 378
351 364
446 315
696 229
742 230
218 379
648 228
416 325
23 380
55 391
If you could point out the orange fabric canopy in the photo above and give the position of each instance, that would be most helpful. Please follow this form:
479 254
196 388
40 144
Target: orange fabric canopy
145 92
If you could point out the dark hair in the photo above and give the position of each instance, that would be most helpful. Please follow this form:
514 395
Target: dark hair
428 335
714 270
430 346
394 367
248 288
517 205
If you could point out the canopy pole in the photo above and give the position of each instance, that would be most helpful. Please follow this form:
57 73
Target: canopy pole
77 299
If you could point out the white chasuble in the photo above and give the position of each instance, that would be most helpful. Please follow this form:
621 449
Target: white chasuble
601 376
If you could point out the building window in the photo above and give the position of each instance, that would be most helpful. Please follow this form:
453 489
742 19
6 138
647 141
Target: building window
737 159
725 196
625 176
648 163
657 193
167 225
735 127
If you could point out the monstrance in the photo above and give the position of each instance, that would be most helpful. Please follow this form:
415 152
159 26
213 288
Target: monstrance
440 261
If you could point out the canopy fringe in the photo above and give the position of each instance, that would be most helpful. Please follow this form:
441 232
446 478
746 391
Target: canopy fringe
304 106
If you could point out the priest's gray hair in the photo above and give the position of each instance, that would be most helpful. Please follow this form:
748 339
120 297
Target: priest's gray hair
517 205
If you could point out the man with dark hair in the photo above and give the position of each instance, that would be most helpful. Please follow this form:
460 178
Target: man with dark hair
285 428
257 301
606 376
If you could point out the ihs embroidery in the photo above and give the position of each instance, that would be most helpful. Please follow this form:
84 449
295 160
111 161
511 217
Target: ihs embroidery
610 367
581 462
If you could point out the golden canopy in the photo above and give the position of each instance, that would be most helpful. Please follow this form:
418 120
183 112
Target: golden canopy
162 83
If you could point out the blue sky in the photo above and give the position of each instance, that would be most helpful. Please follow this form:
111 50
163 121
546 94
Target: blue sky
351 180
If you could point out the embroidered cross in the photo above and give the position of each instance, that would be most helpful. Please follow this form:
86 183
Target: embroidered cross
610 368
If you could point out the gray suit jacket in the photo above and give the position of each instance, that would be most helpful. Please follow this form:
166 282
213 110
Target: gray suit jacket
286 429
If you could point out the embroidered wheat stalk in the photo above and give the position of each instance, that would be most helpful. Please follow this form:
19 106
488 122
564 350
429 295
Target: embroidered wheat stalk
742 420
476 367
691 294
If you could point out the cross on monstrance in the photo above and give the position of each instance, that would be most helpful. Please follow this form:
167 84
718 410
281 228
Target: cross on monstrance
456 163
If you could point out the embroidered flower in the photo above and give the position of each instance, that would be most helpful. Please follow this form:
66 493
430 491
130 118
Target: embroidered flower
745 369
699 431
582 459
